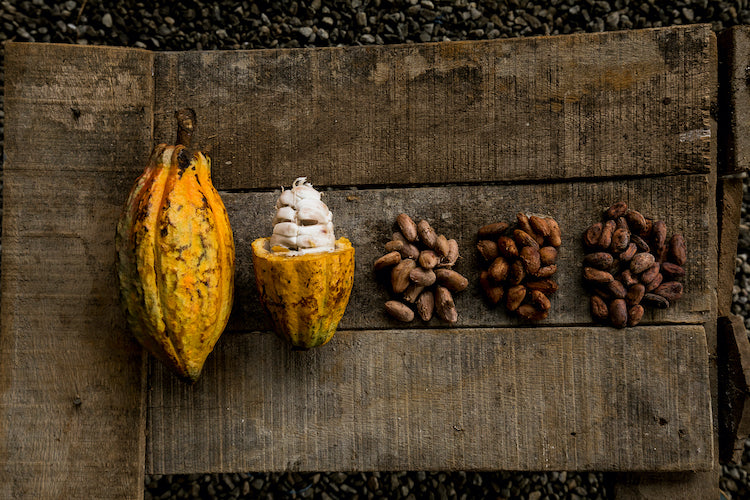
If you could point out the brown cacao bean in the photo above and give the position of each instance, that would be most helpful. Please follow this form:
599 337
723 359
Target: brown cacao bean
649 274
672 271
399 311
597 276
531 260
621 223
599 309
546 286
453 255
599 260
649 228
654 300
539 225
640 243
426 305
678 250
444 305
635 294
627 278
499 269
659 236
555 235
529 312
636 221
514 296
517 273
412 292
451 280
616 210
654 283
424 277
548 255
408 227
507 247
641 262
397 236
400 275
492 231
524 224
618 313
605 240
441 246
546 271
492 291
617 289
635 314
428 259
523 239
409 251
628 254
394 246
671 290
387 260
620 240
592 235
540 300
426 233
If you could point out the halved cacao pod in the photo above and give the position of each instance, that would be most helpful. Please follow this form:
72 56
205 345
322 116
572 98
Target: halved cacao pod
175 260
305 294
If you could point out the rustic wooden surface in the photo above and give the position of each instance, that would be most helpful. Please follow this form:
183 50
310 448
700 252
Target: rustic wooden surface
72 413
548 398
735 104
582 106
734 395
580 120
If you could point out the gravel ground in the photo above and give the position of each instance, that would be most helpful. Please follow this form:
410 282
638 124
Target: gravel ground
227 25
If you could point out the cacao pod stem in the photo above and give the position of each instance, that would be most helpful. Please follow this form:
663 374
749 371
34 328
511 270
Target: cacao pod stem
186 123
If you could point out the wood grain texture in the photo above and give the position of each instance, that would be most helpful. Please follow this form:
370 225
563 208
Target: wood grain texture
729 210
367 217
734 376
534 399
579 106
78 126
734 45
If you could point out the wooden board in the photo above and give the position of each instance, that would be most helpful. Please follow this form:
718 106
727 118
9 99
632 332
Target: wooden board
547 398
71 398
584 106
735 101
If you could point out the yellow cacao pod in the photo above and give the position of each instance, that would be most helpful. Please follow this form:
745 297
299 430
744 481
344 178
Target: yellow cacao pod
175 260
305 294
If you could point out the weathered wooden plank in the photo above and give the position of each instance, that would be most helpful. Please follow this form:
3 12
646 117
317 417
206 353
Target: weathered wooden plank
535 399
367 217
729 211
735 101
78 127
578 106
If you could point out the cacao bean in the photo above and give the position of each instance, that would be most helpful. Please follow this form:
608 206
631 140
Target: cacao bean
529 312
444 305
412 292
539 226
599 309
655 300
628 254
649 274
599 260
672 271
592 235
514 296
408 227
597 276
627 279
548 255
635 314
649 228
620 240
640 243
398 236
641 262
531 260
616 210
453 255
428 259
517 273
635 294
394 246
426 305
555 235
399 311
524 224
523 239
659 236
605 240
621 223
441 246
400 275
426 233
618 313
546 271
671 290
492 291
507 247
499 269
636 221
540 300
387 260
654 283
678 250
424 277
546 286
492 231
617 289
409 251
451 280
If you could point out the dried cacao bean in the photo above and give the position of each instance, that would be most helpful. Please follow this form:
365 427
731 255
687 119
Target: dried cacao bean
426 305
617 289
428 259
628 254
641 262
398 236
546 286
616 210
659 236
605 240
400 275
548 255
546 271
399 311
621 223
649 274
618 313
409 251
635 294
387 260
523 239
412 292
678 250
671 290
451 280
394 246
597 276
640 243
507 247
620 240
635 314
514 296
424 277
599 309
592 235
599 260
517 273
654 283
492 231
531 260
529 312
441 246
524 224
636 221
539 225
444 305
627 278
499 269
453 255
426 233
555 235
408 227
492 291
655 300
540 300
672 271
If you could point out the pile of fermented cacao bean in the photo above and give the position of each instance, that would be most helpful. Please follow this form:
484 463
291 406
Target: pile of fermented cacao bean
420 262
630 264
520 264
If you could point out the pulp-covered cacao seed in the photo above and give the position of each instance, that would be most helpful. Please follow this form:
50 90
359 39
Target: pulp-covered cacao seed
426 304
444 305
452 280
408 227
426 233
400 275
387 260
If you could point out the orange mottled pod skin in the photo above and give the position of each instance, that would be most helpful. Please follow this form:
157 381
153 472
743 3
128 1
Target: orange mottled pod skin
305 295
175 260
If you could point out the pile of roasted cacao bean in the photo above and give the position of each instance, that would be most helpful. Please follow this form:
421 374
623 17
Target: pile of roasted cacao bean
421 275
630 264
520 264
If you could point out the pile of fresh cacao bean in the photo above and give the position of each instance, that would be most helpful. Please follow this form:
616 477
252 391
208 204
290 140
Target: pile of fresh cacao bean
630 264
420 262
519 264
